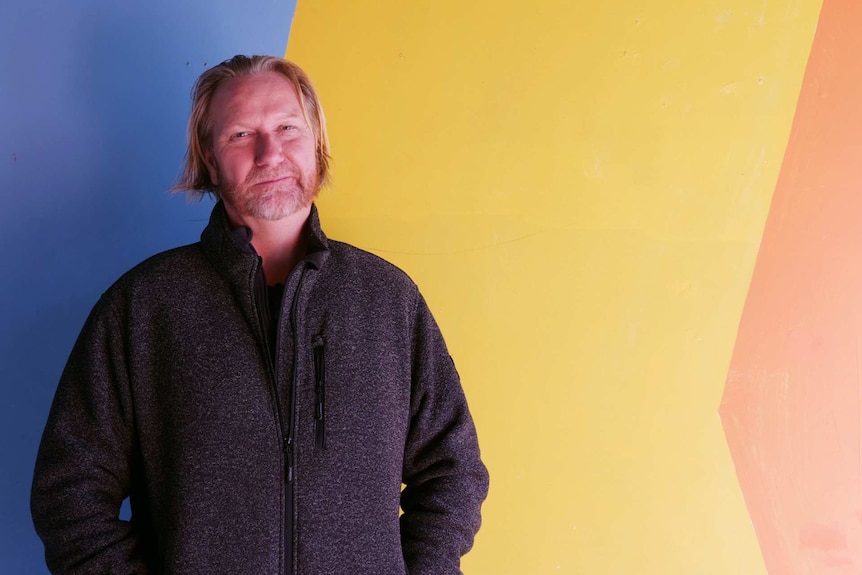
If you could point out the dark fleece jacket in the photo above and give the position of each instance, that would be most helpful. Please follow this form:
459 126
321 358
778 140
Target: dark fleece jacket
170 396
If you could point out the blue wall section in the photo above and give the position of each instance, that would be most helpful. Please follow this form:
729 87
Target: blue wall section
94 99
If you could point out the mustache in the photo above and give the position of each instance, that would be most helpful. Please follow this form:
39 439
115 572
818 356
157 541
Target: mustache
269 175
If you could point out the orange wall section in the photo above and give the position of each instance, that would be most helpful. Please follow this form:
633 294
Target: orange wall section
792 408
579 189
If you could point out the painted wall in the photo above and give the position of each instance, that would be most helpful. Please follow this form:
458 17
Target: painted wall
580 190
94 101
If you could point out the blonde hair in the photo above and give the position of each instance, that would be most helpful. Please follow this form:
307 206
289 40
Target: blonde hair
195 179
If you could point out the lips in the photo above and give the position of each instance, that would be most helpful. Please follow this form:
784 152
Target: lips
273 180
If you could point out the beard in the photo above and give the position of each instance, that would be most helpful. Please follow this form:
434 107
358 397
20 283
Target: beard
271 201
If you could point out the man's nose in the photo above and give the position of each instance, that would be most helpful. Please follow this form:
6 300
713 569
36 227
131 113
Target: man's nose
268 150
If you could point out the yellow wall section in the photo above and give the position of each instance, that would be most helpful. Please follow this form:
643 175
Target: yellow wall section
579 189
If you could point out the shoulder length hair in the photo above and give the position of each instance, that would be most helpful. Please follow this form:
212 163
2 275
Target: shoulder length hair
195 179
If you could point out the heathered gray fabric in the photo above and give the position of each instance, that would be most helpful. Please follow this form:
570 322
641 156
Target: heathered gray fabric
167 396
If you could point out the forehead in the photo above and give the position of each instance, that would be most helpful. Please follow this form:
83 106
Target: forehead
253 97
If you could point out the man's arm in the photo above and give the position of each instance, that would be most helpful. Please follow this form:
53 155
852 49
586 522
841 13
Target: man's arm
83 469
445 479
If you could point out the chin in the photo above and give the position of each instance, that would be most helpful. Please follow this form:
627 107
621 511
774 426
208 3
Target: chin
272 203
278 209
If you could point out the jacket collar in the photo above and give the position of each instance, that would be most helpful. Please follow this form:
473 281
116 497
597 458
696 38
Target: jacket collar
230 248
230 252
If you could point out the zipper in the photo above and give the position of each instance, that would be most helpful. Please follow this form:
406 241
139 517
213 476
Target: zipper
289 455
264 314
319 394
292 391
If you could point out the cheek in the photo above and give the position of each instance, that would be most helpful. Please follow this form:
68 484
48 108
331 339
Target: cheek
215 166
230 169
308 158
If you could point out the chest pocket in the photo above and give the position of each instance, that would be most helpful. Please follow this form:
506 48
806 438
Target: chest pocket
319 360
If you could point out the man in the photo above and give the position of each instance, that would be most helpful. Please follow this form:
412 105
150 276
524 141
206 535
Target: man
262 396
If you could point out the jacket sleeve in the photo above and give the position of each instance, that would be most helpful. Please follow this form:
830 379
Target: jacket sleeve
83 468
444 477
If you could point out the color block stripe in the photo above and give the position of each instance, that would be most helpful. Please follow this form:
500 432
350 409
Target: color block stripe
791 407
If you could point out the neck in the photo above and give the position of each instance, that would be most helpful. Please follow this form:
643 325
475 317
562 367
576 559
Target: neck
279 243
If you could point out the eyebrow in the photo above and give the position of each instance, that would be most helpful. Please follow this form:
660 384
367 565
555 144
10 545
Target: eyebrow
239 125
292 115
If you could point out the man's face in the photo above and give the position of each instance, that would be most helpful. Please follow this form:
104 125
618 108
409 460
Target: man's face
263 157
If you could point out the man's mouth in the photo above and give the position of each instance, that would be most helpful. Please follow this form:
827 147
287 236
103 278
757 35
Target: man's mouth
274 180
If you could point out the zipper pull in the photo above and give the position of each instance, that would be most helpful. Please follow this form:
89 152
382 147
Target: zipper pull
287 447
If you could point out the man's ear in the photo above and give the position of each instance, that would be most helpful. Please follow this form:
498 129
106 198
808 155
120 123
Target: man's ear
210 162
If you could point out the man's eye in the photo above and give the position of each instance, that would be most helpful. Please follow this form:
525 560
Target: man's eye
239 135
288 128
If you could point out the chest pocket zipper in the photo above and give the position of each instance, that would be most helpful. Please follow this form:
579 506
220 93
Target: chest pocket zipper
319 393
